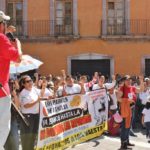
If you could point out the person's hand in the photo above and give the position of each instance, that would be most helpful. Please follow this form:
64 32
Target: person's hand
81 84
17 84
36 75
95 74
14 94
113 77
63 73
16 43
63 83
42 92
141 78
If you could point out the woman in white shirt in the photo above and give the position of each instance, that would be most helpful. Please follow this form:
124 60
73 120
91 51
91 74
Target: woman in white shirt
45 92
29 100
144 96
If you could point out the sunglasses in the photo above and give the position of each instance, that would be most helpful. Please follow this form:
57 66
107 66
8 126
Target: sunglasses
28 81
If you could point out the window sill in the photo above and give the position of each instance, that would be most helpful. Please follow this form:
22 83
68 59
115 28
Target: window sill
125 37
59 39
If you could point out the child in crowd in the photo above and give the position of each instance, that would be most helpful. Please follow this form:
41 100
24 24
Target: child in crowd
146 119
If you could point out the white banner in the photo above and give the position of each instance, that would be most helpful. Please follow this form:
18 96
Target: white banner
71 120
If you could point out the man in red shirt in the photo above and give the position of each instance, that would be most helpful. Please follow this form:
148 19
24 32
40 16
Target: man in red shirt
9 51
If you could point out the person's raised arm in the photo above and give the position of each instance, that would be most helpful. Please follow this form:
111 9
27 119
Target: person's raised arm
17 45
141 87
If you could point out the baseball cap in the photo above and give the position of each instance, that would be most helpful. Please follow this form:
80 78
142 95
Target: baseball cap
3 17
146 79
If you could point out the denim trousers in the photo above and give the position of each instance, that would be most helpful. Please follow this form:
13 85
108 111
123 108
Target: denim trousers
124 132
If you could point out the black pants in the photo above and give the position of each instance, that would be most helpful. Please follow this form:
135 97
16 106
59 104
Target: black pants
12 142
147 125
29 134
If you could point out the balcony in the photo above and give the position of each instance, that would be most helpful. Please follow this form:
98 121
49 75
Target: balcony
125 29
44 29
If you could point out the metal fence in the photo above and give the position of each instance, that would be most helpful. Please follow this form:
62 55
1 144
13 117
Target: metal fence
43 28
126 27
55 28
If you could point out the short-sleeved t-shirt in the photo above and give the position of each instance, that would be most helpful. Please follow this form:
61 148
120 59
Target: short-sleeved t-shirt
144 96
146 113
47 93
27 97
7 53
75 89
129 92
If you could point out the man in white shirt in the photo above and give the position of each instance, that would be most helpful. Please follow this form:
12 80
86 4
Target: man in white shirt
71 88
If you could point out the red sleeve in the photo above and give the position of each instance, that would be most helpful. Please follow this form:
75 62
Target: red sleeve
134 89
7 50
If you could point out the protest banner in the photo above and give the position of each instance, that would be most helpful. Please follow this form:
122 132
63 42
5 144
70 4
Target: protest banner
71 120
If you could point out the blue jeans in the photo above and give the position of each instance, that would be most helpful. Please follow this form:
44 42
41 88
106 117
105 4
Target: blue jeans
124 132
13 138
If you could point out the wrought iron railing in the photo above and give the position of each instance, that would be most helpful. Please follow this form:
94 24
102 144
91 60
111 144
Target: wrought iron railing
43 28
126 27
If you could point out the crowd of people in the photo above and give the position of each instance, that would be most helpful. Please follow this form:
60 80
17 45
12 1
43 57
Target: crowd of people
126 94
129 97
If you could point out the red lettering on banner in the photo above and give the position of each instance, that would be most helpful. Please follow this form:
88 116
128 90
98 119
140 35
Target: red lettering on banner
60 128
67 125
42 134
84 120
50 131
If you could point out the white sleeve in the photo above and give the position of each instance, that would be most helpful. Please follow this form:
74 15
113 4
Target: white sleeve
110 84
94 87
38 91
60 92
48 93
144 111
78 87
